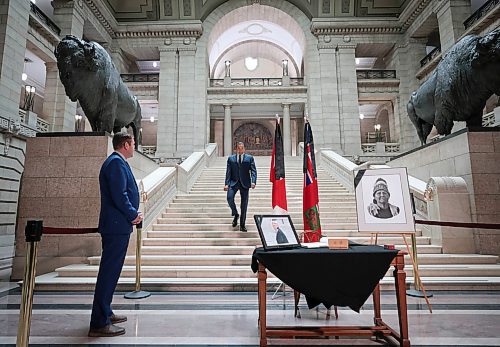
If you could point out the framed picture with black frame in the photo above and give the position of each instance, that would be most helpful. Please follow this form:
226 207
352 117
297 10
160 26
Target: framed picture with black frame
277 231
383 200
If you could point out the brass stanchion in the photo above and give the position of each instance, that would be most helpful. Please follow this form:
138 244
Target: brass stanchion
33 233
138 293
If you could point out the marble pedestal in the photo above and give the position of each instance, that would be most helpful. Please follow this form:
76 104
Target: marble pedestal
60 185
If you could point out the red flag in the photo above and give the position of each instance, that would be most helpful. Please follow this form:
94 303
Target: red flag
310 202
277 175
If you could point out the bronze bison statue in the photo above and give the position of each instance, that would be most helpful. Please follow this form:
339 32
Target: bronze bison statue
89 76
457 90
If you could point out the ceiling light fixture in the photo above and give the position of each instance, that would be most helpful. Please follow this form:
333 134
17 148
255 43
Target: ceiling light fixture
251 63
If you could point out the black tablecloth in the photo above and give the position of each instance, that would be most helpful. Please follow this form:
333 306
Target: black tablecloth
331 277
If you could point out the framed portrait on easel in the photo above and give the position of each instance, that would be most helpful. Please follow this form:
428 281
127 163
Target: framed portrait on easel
383 200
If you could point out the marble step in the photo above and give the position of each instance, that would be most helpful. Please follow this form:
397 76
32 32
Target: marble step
51 282
155 240
165 224
226 213
233 259
209 236
354 236
267 184
242 271
293 190
297 204
325 219
241 250
260 200
252 209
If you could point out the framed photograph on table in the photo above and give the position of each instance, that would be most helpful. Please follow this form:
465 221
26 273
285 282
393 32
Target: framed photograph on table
276 231
383 200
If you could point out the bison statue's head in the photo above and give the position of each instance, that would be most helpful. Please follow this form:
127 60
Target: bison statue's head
75 58
487 49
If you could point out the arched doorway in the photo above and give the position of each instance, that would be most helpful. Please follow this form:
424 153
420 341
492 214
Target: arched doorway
257 138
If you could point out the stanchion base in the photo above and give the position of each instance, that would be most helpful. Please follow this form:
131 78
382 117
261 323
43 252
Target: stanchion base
418 293
137 294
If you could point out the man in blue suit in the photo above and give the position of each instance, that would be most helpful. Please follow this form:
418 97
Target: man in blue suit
119 211
241 175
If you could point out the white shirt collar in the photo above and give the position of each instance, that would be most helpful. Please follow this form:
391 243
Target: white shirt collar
121 155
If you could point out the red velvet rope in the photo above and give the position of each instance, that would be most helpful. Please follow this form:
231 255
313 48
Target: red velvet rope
458 224
68 231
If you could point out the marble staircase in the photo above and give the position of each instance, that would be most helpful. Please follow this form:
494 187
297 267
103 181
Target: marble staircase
192 245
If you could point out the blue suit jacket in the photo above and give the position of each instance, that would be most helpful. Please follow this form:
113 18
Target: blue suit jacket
245 173
119 196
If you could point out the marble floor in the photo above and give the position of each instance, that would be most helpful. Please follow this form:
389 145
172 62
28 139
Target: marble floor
230 319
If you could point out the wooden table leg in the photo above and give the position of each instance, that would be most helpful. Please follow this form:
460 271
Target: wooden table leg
400 285
377 318
262 278
296 299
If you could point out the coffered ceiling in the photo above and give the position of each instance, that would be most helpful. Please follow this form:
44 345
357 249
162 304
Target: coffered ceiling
154 10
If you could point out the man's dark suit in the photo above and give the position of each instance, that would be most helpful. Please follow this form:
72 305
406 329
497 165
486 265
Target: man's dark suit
119 207
240 177
280 236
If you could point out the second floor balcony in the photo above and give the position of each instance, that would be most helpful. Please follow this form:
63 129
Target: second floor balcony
256 82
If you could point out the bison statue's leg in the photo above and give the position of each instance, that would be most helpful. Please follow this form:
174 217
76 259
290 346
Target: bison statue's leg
417 122
475 121
443 120
137 135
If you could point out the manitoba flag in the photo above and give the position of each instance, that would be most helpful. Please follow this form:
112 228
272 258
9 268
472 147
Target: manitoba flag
310 207
277 176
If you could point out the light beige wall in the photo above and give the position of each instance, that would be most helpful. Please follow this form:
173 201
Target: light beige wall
60 185
474 156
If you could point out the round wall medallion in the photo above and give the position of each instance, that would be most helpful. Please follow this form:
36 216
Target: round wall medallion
255 29
168 41
187 41
347 38
327 38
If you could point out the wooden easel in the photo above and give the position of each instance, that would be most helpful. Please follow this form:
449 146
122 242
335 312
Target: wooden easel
413 256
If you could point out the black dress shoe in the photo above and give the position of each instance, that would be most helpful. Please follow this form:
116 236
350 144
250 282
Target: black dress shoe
243 228
117 319
107 331
235 220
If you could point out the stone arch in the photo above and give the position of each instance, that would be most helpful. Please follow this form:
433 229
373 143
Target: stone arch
257 138
299 16
385 117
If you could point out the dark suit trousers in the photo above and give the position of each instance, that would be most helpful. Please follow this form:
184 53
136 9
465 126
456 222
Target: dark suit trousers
114 249
244 201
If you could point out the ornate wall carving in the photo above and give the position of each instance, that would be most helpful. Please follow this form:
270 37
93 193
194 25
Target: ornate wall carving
257 138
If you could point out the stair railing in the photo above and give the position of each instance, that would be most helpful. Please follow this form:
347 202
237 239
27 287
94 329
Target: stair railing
157 189
190 170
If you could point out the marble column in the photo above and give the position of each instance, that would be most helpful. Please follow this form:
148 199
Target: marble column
451 16
166 140
350 139
14 16
189 134
327 131
59 109
286 129
406 62
228 133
